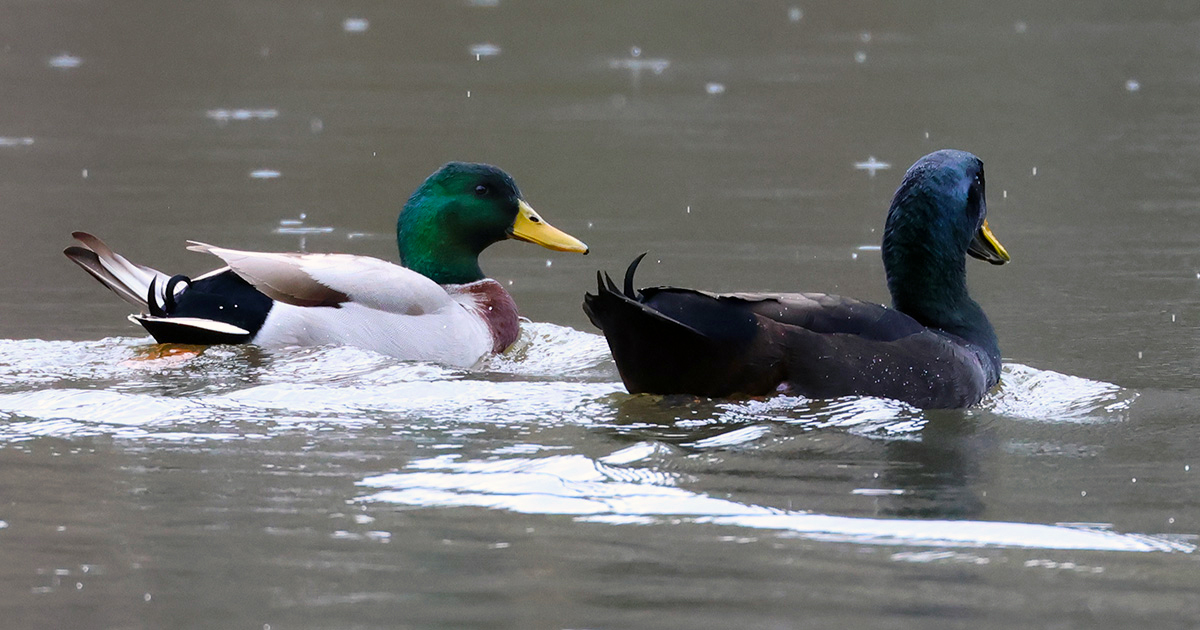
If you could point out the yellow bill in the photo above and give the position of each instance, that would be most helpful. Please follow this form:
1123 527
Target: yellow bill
985 246
531 228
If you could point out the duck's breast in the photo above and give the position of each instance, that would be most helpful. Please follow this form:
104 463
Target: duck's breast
494 306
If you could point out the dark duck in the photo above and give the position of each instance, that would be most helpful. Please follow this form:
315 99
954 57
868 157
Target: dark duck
933 348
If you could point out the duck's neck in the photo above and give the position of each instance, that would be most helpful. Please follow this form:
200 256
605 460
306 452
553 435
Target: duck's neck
443 267
427 248
931 288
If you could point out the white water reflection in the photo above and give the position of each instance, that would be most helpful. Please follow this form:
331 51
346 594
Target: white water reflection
602 492
554 374
65 61
125 388
226 115
355 25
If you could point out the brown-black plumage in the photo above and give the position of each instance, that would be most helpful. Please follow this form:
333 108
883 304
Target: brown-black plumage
934 349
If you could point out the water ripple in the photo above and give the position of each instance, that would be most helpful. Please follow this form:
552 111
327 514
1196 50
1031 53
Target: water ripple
596 491
1043 395
552 375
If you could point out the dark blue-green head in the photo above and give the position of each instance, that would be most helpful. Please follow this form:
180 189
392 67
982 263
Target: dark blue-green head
937 218
459 211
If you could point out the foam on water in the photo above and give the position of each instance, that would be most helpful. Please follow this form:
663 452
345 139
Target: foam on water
553 374
1042 395
120 387
131 389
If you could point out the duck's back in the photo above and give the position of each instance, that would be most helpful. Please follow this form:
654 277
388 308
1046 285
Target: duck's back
669 340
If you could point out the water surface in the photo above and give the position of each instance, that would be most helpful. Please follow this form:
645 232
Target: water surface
746 147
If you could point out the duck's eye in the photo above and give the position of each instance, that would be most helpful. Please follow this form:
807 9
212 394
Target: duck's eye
481 190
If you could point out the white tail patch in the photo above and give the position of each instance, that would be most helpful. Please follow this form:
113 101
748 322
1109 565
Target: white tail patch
134 277
193 322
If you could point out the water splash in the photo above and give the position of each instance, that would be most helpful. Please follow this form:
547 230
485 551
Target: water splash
124 388
871 165
1042 395
484 49
553 374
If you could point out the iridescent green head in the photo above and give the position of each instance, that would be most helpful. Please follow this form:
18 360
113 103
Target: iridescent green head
461 210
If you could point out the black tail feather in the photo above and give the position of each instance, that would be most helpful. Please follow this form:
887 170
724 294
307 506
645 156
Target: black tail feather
169 296
629 292
612 286
152 301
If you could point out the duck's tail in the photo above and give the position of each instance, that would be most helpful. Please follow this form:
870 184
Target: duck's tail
668 340
153 293
137 284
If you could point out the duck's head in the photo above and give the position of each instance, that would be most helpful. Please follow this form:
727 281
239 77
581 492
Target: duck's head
937 218
461 210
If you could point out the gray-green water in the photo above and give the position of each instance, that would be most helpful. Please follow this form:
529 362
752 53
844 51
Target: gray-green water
330 487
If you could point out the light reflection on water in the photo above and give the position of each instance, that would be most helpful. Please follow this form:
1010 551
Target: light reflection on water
553 376
600 492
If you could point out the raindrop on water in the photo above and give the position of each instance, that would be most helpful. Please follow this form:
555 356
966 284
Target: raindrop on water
1132 85
871 165
355 25
65 61
795 14
860 57
484 50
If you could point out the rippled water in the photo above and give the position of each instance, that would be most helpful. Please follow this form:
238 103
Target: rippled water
335 440
746 146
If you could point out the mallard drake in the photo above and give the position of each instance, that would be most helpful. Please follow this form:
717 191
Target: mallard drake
437 307
934 348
